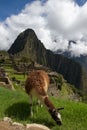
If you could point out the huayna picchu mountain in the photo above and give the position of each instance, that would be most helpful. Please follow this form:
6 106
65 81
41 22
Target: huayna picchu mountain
28 45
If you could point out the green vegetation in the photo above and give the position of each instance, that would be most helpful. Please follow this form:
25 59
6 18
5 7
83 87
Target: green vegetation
15 105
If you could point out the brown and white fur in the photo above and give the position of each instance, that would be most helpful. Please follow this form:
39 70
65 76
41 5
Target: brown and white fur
37 85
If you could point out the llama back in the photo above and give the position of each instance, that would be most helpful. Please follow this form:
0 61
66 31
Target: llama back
37 80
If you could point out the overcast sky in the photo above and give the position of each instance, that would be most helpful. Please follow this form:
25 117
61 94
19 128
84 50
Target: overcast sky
54 21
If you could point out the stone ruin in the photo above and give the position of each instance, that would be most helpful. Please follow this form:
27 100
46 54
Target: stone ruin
4 80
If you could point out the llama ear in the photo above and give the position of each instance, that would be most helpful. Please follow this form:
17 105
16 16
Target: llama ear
61 108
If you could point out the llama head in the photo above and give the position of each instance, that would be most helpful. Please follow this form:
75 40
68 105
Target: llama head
56 116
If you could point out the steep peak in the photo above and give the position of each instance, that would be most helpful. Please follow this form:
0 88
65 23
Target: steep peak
27 33
29 30
23 38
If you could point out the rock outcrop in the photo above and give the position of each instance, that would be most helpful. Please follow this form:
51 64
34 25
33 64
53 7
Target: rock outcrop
8 124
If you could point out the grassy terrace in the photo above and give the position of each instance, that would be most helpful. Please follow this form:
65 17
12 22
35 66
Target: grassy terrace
15 105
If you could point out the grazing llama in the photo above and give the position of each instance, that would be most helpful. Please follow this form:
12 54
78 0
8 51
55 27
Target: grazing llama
37 85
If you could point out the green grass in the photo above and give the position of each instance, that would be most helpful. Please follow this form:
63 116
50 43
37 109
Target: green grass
11 73
15 105
8 68
20 77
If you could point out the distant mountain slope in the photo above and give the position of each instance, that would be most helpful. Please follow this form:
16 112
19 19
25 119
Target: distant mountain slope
28 45
82 60
70 69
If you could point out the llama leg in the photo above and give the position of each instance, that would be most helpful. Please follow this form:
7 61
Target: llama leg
36 105
39 103
31 106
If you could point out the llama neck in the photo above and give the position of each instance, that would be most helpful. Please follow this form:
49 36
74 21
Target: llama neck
52 110
48 104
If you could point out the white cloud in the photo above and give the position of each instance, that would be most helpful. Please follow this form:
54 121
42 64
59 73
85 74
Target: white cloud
79 48
55 22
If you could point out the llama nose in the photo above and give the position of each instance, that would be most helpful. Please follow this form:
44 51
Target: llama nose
59 122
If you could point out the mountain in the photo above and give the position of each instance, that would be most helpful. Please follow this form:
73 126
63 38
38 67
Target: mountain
28 45
82 59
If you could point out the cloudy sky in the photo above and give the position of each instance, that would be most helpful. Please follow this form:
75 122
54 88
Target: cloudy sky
54 21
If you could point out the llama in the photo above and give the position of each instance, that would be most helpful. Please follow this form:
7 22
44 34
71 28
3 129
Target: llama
37 85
